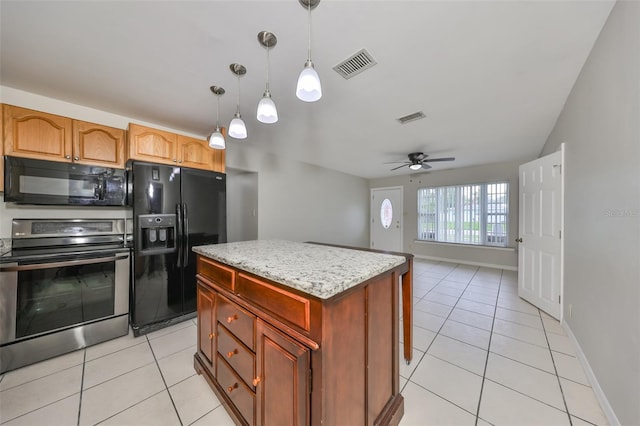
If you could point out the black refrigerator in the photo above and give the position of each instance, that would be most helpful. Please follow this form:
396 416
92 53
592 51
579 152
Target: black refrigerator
174 209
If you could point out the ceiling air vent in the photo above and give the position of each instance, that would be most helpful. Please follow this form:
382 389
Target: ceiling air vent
355 64
411 117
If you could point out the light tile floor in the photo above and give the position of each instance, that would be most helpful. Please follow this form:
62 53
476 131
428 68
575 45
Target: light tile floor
481 356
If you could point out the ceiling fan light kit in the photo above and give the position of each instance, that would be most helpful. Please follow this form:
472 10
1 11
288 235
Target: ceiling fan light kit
309 88
267 112
216 140
418 160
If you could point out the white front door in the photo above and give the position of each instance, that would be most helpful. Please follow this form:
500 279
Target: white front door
540 254
386 219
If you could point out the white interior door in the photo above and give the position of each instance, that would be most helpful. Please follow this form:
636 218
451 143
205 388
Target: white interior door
540 252
386 219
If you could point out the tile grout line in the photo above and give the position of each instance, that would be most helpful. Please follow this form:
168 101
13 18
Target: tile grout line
553 361
84 361
436 333
164 381
486 362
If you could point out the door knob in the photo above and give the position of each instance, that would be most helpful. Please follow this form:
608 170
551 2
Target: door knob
519 240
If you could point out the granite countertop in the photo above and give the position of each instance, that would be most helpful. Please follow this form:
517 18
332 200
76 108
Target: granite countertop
321 271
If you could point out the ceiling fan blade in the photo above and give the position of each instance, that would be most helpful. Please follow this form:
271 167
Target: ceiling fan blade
396 168
426 166
397 162
440 159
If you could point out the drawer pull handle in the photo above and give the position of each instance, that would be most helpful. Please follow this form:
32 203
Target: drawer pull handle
232 353
256 381
211 336
232 387
232 318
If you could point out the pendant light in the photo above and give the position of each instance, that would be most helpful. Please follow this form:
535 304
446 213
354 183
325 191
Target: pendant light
216 140
309 88
237 128
267 111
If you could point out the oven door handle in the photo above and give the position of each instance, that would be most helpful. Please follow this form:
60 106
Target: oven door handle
36 266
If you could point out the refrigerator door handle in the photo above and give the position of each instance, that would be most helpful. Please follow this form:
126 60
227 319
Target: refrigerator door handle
179 235
186 236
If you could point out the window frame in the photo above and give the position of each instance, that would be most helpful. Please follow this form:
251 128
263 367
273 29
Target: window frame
485 206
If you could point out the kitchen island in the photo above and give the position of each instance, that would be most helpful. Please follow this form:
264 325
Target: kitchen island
300 333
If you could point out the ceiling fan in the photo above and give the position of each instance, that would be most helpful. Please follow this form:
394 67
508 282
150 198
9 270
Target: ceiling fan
418 160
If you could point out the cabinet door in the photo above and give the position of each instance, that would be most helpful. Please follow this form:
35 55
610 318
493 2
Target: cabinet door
36 134
152 145
283 381
194 153
96 144
206 324
219 160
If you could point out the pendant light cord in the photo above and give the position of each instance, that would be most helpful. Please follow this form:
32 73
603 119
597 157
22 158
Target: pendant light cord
238 102
309 48
218 113
268 66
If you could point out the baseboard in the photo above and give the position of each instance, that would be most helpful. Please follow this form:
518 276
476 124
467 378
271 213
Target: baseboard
591 377
465 262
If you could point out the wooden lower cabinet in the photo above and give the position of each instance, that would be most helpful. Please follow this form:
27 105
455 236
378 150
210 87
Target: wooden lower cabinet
277 356
284 375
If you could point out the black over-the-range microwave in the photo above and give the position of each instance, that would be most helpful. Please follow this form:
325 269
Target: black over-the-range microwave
28 181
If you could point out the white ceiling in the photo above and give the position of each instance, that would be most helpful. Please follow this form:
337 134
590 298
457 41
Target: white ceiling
491 76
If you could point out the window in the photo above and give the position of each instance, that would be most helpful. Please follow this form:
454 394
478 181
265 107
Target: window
466 214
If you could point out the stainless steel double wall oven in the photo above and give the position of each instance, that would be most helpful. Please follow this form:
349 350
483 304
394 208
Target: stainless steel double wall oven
64 286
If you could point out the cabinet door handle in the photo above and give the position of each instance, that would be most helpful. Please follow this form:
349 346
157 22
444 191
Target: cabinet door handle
232 353
211 336
68 157
76 158
256 381
232 318
175 160
232 387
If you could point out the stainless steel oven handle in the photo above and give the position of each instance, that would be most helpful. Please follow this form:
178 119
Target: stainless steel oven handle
35 266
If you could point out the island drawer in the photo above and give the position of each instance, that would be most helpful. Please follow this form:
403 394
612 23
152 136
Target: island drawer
281 303
220 274
235 389
240 323
241 359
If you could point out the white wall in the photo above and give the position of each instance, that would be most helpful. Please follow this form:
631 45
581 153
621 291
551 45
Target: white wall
486 256
242 205
296 201
600 125
302 202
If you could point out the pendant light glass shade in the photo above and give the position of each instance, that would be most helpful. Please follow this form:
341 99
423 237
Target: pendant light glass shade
309 88
267 111
237 128
216 140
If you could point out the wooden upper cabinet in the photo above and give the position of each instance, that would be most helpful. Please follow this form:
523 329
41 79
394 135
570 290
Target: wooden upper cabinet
36 134
97 144
195 153
156 146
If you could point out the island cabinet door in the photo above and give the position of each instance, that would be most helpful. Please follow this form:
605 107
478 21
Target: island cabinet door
283 379
206 324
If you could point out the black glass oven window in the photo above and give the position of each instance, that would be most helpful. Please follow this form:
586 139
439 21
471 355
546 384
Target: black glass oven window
53 298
